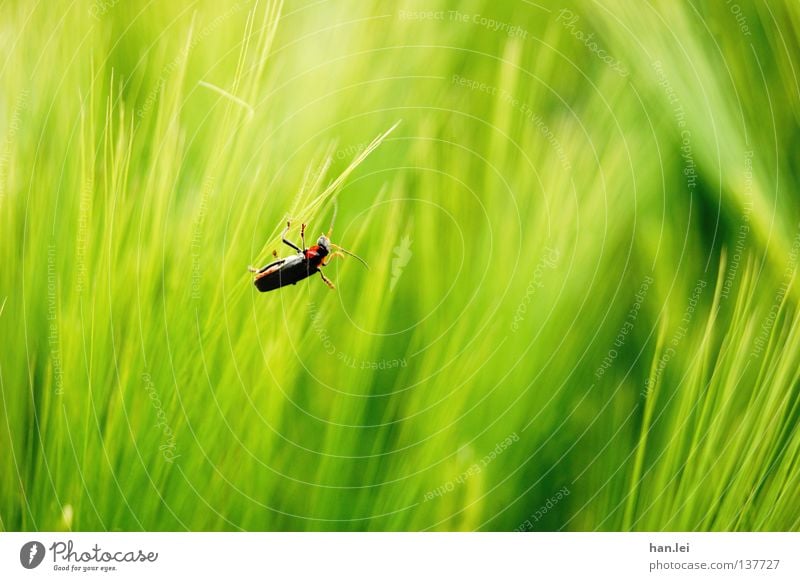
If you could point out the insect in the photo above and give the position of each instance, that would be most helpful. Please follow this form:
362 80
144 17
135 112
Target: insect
306 262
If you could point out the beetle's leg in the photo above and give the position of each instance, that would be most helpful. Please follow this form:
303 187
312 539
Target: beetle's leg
264 270
326 280
287 242
252 268
330 257
268 269
303 236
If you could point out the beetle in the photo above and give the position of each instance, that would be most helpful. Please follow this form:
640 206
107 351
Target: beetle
306 262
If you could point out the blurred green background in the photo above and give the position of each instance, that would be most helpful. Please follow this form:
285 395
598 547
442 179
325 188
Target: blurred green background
580 312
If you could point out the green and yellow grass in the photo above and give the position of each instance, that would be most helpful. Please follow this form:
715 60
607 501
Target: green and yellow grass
581 273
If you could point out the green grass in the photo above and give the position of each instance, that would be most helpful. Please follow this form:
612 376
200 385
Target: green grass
581 277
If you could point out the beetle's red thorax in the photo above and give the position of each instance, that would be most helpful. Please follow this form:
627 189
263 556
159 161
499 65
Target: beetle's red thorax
313 255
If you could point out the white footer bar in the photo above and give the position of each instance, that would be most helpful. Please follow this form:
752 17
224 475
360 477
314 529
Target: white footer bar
400 556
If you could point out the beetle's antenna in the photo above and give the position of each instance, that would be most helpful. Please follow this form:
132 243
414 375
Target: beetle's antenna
364 262
335 209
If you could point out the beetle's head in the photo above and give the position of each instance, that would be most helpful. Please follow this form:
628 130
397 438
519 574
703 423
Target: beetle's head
324 245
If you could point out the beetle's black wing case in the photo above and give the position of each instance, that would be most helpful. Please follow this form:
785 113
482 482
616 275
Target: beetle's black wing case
287 274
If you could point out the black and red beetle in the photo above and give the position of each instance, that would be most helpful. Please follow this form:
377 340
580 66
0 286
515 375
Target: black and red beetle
294 268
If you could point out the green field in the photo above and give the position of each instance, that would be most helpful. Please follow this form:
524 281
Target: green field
582 225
